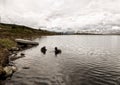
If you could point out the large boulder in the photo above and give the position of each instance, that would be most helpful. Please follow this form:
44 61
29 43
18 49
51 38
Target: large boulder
26 42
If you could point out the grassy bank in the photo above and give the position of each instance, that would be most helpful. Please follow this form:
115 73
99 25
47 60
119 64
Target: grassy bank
17 31
9 32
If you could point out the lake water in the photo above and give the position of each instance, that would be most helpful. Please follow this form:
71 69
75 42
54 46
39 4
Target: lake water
85 60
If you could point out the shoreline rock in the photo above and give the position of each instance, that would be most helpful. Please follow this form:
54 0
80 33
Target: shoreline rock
11 55
26 42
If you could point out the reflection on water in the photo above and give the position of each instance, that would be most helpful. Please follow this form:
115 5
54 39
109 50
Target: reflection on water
85 60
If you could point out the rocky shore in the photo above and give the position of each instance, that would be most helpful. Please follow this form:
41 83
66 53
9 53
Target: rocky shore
12 41
9 55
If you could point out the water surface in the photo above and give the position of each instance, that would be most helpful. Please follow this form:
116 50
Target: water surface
85 60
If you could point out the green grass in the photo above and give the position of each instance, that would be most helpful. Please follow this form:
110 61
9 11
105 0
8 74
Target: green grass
7 43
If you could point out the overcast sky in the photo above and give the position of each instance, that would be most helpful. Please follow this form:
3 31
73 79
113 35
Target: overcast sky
61 13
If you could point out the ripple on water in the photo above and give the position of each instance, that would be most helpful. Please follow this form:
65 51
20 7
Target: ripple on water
81 63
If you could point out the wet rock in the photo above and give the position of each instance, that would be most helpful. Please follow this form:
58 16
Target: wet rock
2 73
14 49
26 67
26 42
9 70
22 54
13 58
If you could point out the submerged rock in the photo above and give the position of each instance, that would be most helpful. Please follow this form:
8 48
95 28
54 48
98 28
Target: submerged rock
26 67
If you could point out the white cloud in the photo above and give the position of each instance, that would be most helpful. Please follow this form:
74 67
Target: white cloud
62 14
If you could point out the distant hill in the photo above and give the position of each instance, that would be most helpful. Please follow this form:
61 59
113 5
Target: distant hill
19 31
